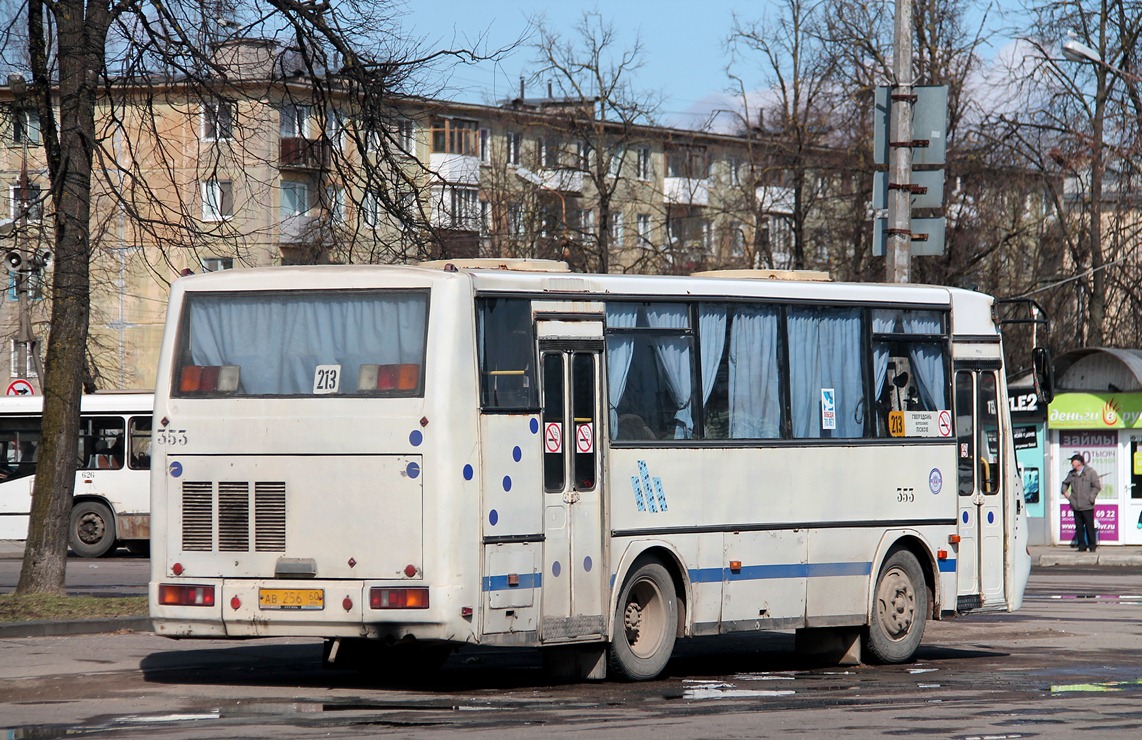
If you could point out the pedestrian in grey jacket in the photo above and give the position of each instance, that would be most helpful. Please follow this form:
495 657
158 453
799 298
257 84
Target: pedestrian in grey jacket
1085 485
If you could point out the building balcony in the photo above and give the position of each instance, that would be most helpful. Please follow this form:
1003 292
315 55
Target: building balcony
563 181
686 191
459 169
303 154
295 229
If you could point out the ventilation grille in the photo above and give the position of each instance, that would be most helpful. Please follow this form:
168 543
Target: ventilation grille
197 515
233 516
269 517
233 502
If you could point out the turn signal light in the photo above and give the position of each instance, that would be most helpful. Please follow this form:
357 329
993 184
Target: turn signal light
208 378
171 594
953 539
398 598
404 377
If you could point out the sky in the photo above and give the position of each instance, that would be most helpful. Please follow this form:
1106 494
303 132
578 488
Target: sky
684 44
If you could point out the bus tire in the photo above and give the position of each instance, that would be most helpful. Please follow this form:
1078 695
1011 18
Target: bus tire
92 532
899 610
646 624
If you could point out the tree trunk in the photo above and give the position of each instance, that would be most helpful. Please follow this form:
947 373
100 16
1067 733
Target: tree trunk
82 33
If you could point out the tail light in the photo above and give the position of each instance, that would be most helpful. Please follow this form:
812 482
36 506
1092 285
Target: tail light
208 378
398 598
172 594
404 377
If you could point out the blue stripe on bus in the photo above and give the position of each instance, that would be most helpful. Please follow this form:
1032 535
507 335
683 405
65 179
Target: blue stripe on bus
500 583
716 575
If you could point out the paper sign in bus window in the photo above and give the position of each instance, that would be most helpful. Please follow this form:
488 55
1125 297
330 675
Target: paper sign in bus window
326 379
828 408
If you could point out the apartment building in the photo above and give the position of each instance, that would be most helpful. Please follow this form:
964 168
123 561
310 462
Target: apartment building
266 169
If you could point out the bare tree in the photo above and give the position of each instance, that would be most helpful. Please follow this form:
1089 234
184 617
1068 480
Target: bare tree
104 79
598 115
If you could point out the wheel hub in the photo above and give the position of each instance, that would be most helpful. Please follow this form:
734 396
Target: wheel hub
91 529
897 604
632 618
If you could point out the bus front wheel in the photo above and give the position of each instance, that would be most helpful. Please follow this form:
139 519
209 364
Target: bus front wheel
646 624
92 533
899 610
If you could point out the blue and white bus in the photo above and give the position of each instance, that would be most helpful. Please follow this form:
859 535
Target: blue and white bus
422 457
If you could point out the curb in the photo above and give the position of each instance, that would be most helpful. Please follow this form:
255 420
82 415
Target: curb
74 627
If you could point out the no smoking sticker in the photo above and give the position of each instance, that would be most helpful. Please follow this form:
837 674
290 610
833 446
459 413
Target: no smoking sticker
944 422
553 437
585 438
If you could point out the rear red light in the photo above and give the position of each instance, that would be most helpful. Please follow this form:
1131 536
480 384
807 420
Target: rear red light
403 377
398 598
171 594
207 378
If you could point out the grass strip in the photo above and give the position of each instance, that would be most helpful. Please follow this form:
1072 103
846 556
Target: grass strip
35 607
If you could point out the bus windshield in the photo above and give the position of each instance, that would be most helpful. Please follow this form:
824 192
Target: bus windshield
345 343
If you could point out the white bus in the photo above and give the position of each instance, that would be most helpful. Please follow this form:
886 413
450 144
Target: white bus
112 481
415 456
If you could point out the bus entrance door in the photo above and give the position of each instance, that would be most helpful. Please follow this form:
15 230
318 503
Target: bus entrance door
573 565
981 564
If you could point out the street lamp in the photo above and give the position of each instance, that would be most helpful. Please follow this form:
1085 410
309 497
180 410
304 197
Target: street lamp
1076 51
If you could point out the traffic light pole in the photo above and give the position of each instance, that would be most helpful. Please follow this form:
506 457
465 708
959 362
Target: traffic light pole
898 250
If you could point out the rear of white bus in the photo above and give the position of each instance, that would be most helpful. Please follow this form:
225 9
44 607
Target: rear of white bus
293 441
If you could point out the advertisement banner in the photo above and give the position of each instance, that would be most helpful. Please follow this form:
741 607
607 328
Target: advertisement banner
1105 520
1099 450
1095 411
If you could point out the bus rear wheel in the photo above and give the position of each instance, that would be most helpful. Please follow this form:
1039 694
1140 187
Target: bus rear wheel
899 610
646 624
92 533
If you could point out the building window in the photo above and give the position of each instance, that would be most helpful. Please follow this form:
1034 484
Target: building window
485 218
406 136
707 237
615 166
458 208
617 232
737 240
644 164
217 264
688 162
29 365
34 283
513 147
24 202
734 166
25 126
515 219
217 120
217 200
485 145
295 121
585 223
548 153
370 210
644 231
295 198
455 136
582 155
335 204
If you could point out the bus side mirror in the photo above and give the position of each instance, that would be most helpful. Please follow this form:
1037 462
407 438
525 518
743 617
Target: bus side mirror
1043 372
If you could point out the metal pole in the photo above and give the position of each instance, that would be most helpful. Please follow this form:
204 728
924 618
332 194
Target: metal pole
898 250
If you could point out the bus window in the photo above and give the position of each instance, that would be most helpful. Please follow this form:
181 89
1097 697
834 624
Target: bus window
989 442
583 411
743 398
507 356
347 343
909 364
826 378
19 448
965 432
101 443
649 371
139 443
554 431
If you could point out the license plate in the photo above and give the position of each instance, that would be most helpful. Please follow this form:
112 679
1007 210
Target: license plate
291 598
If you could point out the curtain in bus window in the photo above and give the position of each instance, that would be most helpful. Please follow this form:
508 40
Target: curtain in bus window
674 357
712 335
620 350
755 379
883 322
278 340
927 359
825 353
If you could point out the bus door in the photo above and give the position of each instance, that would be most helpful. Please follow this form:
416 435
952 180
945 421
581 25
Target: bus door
980 521
574 571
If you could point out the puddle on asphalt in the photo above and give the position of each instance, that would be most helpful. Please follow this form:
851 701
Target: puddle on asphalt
1097 687
695 689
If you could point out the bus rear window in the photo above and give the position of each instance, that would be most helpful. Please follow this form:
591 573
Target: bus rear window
345 343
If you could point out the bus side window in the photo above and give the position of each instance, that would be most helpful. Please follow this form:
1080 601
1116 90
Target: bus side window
139 443
101 443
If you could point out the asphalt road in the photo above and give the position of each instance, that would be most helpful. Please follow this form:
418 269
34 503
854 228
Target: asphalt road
1069 663
123 575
